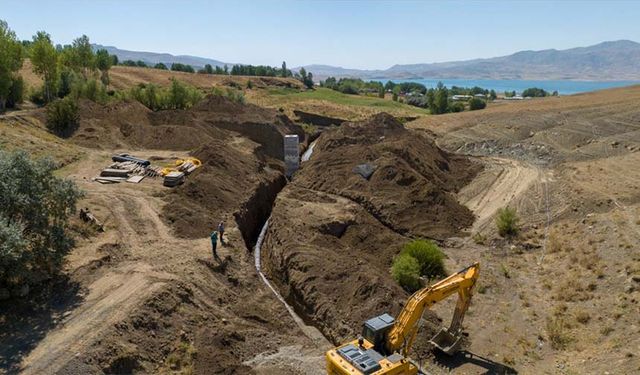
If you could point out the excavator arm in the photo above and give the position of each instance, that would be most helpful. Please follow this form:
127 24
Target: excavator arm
403 332
382 348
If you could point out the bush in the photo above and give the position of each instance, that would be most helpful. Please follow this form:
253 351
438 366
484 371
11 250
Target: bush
231 94
406 271
507 222
182 96
534 92
34 207
477 103
93 90
62 116
456 107
178 96
429 257
36 96
67 79
16 92
558 333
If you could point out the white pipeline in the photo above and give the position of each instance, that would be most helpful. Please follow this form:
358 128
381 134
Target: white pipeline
307 154
311 332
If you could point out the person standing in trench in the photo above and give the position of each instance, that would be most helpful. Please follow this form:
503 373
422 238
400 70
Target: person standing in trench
221 231
214 243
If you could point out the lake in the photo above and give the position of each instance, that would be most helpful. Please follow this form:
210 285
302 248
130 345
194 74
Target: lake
502 85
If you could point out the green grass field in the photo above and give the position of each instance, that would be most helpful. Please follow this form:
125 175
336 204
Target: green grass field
289 96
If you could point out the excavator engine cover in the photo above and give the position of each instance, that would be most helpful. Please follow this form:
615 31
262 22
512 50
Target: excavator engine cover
365 360
446 341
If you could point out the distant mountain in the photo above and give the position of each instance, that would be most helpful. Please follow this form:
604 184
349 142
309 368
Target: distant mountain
617 60
152 58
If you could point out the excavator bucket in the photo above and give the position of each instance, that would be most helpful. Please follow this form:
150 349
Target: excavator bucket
446 341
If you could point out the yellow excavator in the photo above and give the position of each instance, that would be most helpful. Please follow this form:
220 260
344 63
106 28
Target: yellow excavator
385 341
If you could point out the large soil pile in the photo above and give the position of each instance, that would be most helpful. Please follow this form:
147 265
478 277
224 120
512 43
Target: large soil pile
412 181
333 233
130 124
240 145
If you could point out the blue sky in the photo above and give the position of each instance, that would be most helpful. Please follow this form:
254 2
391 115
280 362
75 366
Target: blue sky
355 34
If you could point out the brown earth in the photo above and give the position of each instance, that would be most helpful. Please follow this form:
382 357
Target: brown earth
561 298
412 190
124 77
333 233
145 296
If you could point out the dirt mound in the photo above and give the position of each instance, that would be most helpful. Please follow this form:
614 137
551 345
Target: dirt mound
261 125
368 189
330 259
240 145
230 176
401 177
130 124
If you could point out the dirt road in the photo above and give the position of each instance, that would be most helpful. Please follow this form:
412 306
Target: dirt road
500 183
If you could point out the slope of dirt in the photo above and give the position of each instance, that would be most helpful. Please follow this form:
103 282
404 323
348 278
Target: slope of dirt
130 124
147 296
562 297
333 265
333 234
547 130
124 77
413 184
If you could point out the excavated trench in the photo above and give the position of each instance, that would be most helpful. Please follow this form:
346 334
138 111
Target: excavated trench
253 221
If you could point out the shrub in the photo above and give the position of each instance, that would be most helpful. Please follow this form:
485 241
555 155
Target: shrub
429 257
93 90
479 238
406 271
62 116
16 92
477 103
67 79
182 96
507 222
36 96
178 96
557 332
34 207
456 107
534 92
231 94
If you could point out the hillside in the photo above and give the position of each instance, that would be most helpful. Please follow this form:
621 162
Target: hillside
152 58
615 60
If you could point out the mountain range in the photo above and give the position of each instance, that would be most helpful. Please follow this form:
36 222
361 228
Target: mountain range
616 60
607 61
152 58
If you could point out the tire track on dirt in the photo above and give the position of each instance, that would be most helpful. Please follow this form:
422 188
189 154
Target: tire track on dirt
109 301
513 179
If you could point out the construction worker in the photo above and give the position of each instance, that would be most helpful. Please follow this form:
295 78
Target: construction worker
221 231
214 243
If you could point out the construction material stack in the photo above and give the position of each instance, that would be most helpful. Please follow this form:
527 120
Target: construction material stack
173 179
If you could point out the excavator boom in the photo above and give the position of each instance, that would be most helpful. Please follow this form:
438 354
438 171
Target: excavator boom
385 341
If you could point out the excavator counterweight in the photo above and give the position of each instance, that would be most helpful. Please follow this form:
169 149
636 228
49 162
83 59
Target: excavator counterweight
385 341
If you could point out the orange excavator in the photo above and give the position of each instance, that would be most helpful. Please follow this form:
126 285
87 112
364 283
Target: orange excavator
385 341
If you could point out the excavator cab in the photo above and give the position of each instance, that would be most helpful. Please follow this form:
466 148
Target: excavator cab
375 331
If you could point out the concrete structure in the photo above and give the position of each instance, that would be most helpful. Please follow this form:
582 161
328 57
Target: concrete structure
291 154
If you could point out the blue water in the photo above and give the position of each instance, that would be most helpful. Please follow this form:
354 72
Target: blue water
502 85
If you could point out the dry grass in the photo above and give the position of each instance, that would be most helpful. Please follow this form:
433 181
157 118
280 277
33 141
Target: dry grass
558 333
